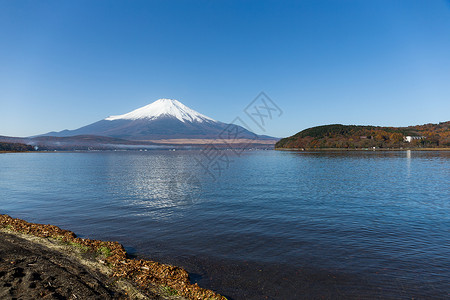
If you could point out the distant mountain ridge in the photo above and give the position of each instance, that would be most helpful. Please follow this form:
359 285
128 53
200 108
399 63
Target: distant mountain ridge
358 136
78 142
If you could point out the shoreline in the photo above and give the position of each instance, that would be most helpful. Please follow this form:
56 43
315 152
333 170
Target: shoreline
17 152
34 268
137 278
361 149
274 149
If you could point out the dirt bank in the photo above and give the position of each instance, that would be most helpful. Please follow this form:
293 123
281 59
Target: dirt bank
38 260
31 271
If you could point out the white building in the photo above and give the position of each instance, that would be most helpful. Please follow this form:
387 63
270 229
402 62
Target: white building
410 138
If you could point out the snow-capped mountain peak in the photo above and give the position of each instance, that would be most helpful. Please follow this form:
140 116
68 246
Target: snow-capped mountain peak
163 108
164 119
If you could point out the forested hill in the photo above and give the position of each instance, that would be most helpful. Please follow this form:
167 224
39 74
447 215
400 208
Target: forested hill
15 147
354 136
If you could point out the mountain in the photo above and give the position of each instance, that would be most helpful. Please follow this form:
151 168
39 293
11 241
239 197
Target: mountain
354 136
164 119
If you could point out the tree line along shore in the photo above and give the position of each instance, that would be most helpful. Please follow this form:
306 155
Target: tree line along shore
338 136
15 147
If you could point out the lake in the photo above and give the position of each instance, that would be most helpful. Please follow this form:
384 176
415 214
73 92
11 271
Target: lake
266 225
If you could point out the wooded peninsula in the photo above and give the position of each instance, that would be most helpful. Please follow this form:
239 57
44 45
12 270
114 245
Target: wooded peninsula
369 137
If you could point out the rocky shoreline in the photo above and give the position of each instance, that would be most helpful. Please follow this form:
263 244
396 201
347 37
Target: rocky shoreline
115 275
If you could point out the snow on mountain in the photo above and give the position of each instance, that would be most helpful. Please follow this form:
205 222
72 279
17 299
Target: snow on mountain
162 119
163 108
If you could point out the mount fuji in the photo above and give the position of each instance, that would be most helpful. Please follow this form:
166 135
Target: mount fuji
164 119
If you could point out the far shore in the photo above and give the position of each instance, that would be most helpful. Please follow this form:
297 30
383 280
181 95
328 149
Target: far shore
362 149
276 149
18 152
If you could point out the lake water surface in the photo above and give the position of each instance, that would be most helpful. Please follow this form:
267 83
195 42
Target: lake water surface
271 225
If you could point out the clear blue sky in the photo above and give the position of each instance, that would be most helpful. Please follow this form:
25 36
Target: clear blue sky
65 64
